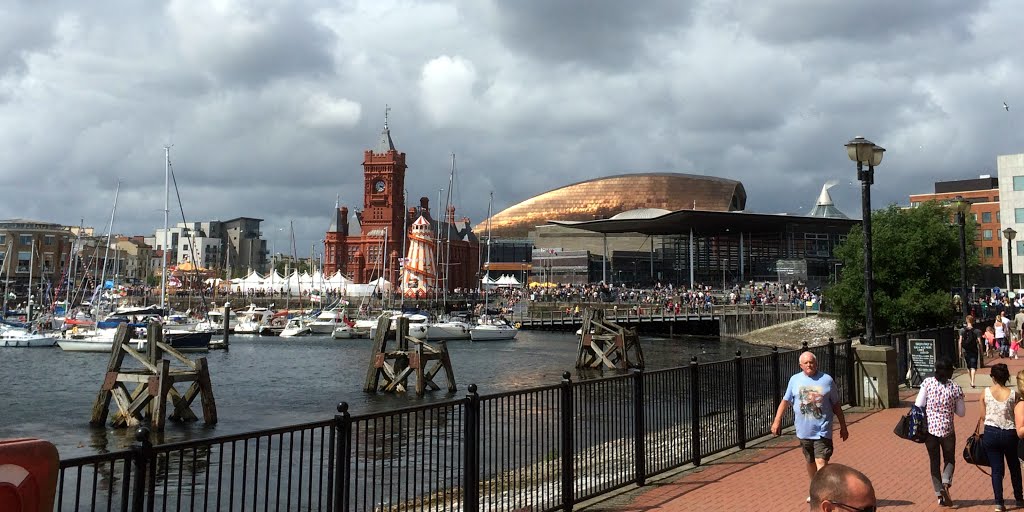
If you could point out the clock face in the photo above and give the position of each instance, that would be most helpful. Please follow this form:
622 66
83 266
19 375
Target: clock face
379 186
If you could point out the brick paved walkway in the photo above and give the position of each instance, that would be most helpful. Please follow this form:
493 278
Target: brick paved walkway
771 475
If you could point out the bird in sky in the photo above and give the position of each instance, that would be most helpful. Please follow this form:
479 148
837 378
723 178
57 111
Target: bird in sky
1005 106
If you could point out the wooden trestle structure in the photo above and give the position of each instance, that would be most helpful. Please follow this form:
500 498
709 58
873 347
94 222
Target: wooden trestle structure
390 369
605 343
144 392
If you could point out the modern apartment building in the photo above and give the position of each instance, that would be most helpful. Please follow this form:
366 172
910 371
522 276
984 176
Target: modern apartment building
984 195
1011 208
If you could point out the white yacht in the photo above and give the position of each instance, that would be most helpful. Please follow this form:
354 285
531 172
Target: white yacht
328 320
15 337
450 329
489 328
249 320
298 326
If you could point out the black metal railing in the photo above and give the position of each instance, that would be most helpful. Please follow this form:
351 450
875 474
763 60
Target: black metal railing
544 448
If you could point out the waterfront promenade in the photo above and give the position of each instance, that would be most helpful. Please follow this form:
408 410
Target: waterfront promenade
770 475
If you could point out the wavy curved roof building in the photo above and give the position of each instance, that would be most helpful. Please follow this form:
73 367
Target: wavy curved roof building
605 197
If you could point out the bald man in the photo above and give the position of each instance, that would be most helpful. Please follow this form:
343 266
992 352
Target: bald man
842 488
815 402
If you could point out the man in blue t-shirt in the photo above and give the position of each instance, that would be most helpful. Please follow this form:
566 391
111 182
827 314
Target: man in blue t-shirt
815 402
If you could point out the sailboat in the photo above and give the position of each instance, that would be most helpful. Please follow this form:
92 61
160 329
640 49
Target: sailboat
101 339
488 327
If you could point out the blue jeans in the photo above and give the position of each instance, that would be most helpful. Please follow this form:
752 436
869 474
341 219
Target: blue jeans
1001 447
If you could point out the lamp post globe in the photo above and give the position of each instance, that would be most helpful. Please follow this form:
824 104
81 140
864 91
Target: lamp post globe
866 154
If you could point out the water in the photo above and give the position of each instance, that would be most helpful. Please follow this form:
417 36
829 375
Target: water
265 382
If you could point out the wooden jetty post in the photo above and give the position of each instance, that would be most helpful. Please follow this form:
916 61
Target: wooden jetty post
152 385
390 369
605 343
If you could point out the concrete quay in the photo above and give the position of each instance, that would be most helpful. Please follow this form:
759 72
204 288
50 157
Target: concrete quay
770 475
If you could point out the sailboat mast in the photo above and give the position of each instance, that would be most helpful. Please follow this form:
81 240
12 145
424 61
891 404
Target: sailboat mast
448 237
167 199
487 274
31 263
437 241
7 274
110 227
405 236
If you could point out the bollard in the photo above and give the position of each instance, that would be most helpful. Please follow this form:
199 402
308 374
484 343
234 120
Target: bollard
142 456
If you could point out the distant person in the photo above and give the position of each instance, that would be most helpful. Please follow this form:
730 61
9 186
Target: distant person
1018 324
969 344
841 488
818 405
997 414
940 397
991 347
1000 328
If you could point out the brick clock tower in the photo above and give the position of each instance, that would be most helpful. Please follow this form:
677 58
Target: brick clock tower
375 251
360 257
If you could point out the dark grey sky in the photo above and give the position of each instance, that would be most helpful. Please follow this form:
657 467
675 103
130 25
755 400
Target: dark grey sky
269 105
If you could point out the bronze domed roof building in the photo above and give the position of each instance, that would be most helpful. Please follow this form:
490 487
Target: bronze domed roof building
605 197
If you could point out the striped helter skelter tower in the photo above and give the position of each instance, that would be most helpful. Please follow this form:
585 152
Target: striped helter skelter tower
419 274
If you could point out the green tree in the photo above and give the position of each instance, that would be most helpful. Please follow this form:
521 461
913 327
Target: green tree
916 264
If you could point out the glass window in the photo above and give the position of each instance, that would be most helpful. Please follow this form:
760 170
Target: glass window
3 256
997 216
3 239
1018 215
986 234
24 258
49 240
1018 183
1020 246
975 217
988 252
25 239
986 217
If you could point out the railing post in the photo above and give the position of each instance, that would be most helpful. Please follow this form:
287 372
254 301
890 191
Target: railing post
695 411
568 451
832 356
341 443
776 380
741 416
851 367
639 427
471 452
143 454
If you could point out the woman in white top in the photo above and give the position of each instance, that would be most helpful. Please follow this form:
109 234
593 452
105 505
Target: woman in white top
1000 443
941 398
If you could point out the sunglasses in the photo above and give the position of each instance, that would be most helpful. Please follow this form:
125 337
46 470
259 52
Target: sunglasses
844 506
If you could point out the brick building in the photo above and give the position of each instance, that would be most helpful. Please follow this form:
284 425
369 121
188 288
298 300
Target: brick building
376 249
983 194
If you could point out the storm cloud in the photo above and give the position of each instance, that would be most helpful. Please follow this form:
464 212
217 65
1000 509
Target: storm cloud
268 106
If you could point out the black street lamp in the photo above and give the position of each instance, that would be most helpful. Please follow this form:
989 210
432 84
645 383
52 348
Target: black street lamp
962 206
863 152
1009 234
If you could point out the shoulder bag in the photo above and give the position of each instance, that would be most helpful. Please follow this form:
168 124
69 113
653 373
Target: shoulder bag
974 449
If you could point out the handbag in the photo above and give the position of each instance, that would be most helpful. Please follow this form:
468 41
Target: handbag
974 450
912 426
902 429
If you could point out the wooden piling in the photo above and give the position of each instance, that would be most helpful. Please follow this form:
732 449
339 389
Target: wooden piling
603 343
153 384
390 370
